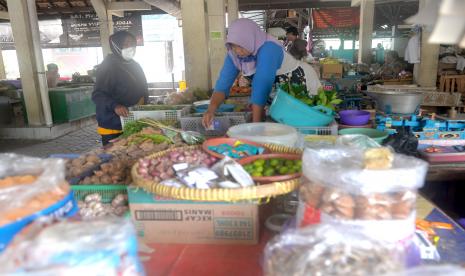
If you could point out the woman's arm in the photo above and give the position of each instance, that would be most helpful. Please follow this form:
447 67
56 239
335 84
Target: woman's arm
269 60
225 80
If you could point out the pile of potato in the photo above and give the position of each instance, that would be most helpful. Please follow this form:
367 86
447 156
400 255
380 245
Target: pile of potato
115 171
78 166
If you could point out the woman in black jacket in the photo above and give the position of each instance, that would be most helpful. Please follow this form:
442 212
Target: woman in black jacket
120 83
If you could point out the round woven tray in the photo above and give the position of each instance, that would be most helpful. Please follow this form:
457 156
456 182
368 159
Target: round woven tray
218 194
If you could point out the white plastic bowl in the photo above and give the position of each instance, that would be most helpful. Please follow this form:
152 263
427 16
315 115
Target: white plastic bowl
265 133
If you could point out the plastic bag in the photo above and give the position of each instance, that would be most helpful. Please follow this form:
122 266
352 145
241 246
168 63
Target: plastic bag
96 247
356 141
329 250
29 185
177 98
343 167
336 188
328 141
404 141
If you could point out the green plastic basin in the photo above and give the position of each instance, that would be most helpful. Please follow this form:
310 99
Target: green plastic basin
377 135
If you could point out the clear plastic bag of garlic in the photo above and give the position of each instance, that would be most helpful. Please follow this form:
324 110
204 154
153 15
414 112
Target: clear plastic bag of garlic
359 185
330 250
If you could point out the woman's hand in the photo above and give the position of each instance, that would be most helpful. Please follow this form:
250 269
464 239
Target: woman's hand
208 119
215 101
257 113
121 111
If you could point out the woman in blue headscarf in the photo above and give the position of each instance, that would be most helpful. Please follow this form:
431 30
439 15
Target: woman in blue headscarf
261 58
120 83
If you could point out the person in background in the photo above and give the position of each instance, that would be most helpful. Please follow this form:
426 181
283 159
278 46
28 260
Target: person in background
52 75
120 83
263 60
392 66
379 54
330 52
295 46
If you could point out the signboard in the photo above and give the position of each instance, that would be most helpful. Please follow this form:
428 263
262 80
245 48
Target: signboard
51 34
336 18
83 29
76 30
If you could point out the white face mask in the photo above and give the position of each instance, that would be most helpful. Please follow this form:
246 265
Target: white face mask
128 53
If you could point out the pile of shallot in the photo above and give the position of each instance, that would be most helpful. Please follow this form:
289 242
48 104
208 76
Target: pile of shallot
159 169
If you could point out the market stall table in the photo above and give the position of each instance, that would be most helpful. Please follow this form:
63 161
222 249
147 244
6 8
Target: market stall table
182 259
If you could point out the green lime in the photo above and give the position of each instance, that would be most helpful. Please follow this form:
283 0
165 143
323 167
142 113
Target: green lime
269 172
283 170
256 174
274 162
299 162
258 169
289 163
259 163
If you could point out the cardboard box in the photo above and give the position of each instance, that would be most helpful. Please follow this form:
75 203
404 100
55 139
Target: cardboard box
163 220
331 70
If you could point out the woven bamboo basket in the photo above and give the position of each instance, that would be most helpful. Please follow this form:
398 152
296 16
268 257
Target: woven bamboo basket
218 194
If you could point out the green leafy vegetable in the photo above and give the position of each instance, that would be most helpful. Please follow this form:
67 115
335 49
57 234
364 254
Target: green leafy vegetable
132 127
327 99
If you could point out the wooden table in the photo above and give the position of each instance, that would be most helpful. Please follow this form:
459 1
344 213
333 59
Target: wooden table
224 260
446 172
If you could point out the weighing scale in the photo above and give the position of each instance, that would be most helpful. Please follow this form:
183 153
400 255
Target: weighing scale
429 127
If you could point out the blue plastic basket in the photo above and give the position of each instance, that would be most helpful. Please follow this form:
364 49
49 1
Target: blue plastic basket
288 110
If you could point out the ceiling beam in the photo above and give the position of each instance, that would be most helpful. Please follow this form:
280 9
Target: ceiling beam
129 6
65 10
355 3
281 5
100 9
117 13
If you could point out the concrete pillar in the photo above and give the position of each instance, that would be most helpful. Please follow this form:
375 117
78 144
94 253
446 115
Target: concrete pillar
367 11
6 16
195 40
2 67
25 26
105 24
425 72
216 25
233 10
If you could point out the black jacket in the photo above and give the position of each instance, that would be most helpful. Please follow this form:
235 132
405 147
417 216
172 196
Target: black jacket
118 82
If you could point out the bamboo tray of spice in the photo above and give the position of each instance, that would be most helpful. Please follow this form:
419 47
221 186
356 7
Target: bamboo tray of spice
264 191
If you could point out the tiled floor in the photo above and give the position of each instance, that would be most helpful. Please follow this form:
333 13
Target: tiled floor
79 141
